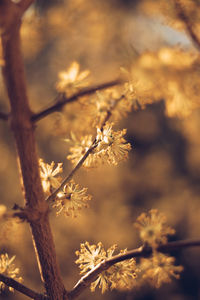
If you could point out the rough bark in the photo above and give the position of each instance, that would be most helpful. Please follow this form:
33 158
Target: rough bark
36 209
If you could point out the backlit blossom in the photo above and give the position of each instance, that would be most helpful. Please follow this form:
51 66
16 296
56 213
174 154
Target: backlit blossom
48 173
112 147
71 199
123 274
120 276
72 79
160 269
153 228
7 268
79 148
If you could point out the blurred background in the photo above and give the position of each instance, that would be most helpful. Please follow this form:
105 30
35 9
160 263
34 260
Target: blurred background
163 169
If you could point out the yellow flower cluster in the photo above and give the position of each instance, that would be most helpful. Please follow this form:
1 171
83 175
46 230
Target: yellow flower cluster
119 276
153 230
71 200
7 268
111 148
124 275
48 173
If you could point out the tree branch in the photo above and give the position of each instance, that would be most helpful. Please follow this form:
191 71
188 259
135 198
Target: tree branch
189 27
61 99
10 282
4 116
143 251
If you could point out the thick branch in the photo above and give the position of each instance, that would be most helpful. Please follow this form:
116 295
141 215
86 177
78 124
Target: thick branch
3 116
144 251
10 282
36 207
61 99
188 25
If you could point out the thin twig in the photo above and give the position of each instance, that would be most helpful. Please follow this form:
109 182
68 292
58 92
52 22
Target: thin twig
3 116
10 282
144 251
61 99
52 197
189 27
69 177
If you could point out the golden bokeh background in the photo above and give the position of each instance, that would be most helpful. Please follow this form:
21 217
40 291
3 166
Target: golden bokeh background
163 169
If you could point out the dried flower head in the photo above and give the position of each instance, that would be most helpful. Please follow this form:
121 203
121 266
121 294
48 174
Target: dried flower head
48 173
159 269
72 80
153 228
7 268
71 199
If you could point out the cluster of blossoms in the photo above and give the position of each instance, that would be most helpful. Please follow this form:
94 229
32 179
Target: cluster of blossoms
72 80
71 199
7 268
157 269
154 231
110 147
119 276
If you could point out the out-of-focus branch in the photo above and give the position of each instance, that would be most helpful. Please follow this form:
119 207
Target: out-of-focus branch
10 282
3 116
144 251
24 5
188 25
61 99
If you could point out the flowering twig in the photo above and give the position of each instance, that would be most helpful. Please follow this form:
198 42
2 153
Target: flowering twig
81 161
61 99
3 116
69 177
183 16
143 251
10 282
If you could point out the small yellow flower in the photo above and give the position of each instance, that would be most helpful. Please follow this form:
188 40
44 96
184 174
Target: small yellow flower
112 147
48 173
71 200
123 274
90 256
159 269
79 149
153 228
7 268
72 79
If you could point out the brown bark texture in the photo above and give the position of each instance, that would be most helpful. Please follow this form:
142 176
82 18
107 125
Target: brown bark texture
36 208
